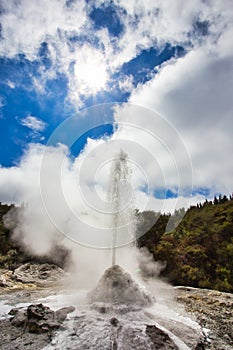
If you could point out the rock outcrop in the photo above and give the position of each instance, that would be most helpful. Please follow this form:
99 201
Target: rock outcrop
160 339
43 275
31 276
31 328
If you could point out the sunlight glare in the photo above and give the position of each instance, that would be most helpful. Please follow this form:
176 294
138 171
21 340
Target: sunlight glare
91 73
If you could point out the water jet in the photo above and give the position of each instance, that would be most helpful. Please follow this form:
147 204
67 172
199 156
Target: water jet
120 200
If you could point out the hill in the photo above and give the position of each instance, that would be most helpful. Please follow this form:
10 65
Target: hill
199 252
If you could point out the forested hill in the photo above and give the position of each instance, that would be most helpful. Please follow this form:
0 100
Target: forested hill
199 252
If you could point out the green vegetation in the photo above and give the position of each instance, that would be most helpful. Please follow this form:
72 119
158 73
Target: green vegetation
199 252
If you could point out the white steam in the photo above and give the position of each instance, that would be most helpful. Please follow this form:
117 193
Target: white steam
39 233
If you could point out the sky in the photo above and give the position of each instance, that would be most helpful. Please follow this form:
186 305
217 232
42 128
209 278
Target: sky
82 79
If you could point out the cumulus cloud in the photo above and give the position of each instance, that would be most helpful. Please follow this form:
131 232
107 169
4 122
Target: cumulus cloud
194 94
62 24
27 24
155 23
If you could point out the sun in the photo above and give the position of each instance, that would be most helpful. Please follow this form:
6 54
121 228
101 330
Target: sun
93 75
90 72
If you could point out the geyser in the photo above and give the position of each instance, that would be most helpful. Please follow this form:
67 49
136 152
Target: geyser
117 286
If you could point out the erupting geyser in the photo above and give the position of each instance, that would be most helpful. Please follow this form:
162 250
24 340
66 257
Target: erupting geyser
116 286
120 199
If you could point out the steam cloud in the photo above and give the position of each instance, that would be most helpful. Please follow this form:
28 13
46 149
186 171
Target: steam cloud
32 226
64 203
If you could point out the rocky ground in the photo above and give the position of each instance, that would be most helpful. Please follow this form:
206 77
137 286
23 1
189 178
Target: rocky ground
31 328
30 276
213 311
34 326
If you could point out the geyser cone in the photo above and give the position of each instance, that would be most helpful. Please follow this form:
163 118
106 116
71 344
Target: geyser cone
118 287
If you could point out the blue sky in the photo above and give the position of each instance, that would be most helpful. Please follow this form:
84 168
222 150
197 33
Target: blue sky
21 99
59 58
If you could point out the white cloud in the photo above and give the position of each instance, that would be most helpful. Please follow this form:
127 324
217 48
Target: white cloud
170 204
33 123
39 82
27 24
126 83
155 23
149 23
11 84
195 95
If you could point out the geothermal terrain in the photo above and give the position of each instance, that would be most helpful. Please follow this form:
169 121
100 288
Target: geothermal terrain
40 310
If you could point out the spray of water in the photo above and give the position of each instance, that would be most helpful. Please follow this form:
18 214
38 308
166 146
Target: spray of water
120 199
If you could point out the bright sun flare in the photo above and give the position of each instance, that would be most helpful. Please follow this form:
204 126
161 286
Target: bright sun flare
91 74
